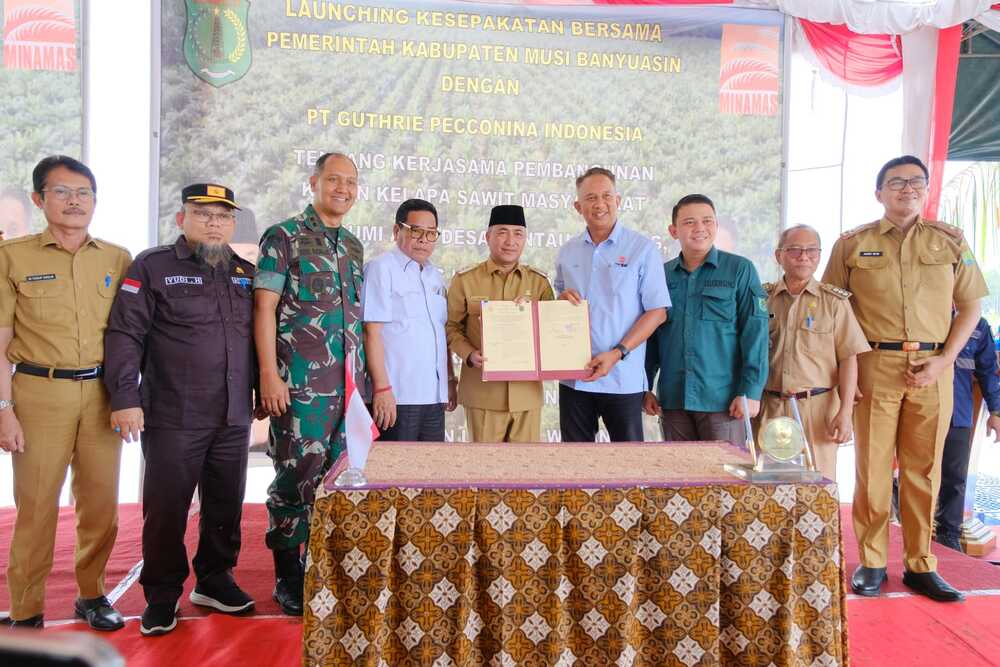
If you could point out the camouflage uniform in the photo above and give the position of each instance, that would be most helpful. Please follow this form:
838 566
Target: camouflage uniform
317 272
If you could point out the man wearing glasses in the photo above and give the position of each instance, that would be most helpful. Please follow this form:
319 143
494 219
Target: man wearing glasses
495 411
182 321
905 272
405 310
307 327
815 341
55 297
712 351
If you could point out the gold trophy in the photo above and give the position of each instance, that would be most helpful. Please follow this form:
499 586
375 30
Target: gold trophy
784 455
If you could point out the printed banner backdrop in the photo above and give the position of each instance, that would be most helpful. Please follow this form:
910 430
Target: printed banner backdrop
41 103
469 105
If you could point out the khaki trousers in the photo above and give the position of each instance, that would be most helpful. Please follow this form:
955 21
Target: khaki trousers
815 411
499 426
66 424
910 424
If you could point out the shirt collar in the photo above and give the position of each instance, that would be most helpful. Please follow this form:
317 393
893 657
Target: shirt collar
311 219
885 225
182 248
613 237
405 260
492 267
47 239
711 258
812 287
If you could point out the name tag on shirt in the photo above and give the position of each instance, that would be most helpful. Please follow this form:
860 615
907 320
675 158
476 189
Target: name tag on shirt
871 253
183 280
241 282
40 276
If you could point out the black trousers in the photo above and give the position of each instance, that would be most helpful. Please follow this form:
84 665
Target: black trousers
417 423
579 411
954 471
177 460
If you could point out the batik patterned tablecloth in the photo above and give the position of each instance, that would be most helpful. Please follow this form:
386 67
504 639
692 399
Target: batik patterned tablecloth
435 563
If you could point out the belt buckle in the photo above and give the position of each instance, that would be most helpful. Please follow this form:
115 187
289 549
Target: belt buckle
911 346
88 374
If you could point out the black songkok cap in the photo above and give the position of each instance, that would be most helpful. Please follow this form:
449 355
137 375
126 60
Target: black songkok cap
507 214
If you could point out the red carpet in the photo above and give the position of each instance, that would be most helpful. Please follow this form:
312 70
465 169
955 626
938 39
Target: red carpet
897 629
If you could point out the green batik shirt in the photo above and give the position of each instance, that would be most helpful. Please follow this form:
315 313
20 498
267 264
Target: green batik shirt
317 270
713 346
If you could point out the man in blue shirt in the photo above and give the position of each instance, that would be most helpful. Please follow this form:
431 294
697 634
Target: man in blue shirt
405 310
713 351
977 357
618 272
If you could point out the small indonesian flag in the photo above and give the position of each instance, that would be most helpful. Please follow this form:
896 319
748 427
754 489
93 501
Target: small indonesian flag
360 429
131 285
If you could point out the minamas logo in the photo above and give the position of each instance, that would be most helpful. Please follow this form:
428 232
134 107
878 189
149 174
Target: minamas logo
39 35
749 74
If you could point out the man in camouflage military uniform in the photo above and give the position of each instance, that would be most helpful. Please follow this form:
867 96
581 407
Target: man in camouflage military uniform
307 326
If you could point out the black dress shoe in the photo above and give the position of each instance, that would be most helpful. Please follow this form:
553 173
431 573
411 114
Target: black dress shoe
32 623
950 541
867 581
933 586
99 613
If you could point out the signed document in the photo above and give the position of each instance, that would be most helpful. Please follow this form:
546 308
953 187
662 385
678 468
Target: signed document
540 340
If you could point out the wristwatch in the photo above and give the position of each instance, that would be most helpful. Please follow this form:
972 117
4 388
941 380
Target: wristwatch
621 348
4 404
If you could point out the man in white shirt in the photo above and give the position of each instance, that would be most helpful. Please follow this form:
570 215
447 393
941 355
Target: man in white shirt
405 310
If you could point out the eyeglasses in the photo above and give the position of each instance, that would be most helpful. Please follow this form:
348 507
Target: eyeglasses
798 251
421 232
917 183
62 193
205 217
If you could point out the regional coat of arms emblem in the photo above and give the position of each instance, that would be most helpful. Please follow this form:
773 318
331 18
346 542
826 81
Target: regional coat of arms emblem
216 43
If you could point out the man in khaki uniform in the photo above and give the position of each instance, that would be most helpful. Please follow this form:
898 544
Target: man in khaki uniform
495 411
56 290
905 273
815 340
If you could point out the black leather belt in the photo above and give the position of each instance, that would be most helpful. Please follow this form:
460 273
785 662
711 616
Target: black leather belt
815 391
906 346
61 373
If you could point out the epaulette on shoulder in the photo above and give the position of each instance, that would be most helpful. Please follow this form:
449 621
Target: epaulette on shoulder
836 291
6 243
155 250
538 271
769 287
857 230
459 272
951 231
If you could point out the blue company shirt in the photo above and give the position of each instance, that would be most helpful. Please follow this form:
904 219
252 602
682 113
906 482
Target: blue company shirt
713 347
977 357
621 278
413 305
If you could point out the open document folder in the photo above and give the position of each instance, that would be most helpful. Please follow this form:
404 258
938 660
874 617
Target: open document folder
539 340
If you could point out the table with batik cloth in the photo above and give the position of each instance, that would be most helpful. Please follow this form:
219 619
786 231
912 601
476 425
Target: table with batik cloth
572 554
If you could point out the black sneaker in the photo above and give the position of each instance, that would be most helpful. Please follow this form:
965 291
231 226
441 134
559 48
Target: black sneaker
159 618
224 596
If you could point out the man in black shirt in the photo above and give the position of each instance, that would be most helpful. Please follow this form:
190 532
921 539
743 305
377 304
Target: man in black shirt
182 319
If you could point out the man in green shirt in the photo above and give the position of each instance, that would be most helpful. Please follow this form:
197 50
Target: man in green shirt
712 350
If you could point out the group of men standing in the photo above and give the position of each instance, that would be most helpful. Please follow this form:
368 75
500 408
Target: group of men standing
192 343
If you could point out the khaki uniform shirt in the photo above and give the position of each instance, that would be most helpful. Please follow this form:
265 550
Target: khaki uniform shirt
486 282
58 302
810 335
904 285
